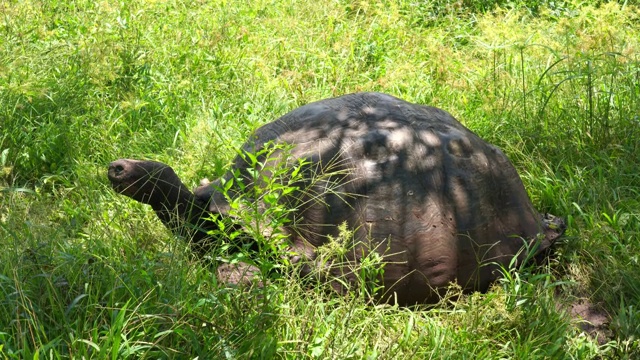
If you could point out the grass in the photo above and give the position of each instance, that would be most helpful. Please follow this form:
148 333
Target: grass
85 273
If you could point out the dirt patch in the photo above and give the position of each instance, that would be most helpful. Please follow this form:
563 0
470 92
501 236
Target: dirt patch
592 320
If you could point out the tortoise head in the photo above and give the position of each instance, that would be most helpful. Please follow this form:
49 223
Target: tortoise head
149 182
156 184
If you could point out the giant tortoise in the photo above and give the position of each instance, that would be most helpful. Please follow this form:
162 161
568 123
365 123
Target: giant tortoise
437 202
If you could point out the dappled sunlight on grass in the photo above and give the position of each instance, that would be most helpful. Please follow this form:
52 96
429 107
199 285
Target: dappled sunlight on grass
87 273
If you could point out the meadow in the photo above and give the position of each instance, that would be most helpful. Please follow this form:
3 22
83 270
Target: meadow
86 273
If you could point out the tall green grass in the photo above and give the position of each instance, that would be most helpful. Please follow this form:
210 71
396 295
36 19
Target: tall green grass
86 273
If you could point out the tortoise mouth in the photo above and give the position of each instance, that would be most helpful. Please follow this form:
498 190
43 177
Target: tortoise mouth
119 187
122 187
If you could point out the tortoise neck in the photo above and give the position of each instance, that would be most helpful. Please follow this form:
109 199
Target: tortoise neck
182 213
173 204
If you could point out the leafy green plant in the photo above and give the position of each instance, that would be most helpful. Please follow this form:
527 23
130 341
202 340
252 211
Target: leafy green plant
261 199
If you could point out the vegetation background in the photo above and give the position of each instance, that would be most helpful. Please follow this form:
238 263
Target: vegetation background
85 273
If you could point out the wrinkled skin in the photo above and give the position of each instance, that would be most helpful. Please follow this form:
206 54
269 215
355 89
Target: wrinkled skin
437 202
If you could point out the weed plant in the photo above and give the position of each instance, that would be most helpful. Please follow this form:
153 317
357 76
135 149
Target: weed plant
85 273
